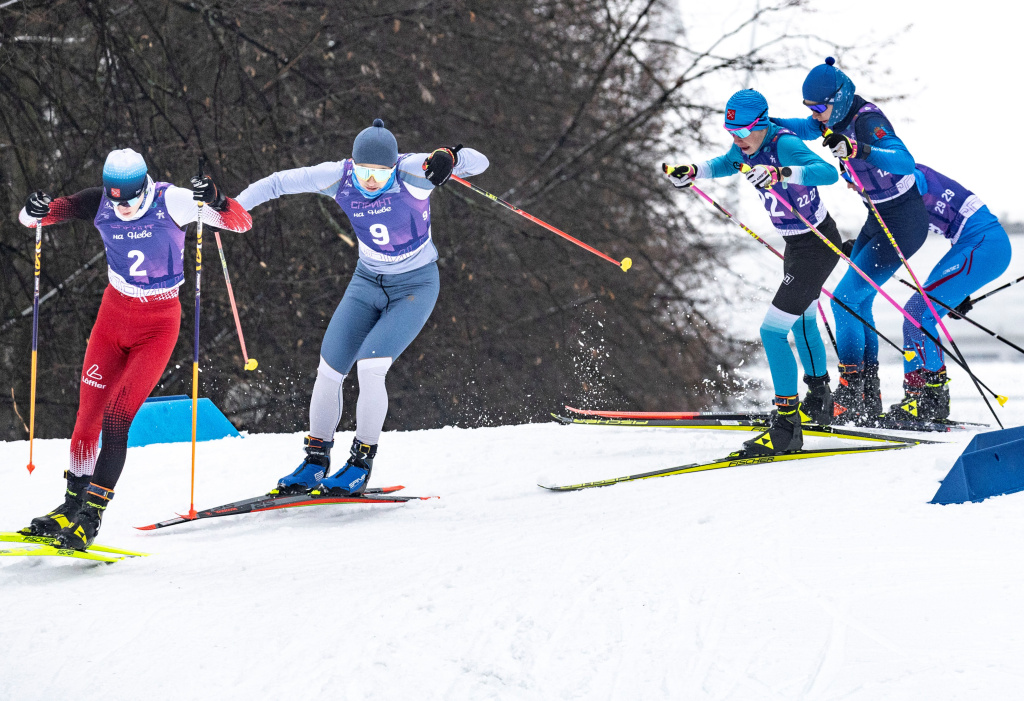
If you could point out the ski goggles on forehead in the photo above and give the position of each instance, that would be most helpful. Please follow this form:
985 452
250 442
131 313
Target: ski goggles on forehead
744 132
378 174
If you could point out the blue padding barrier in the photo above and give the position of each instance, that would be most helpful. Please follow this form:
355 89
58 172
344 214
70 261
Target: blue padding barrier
992 464
169 420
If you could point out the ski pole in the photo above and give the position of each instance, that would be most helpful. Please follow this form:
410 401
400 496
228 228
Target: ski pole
195 346
920 288
250 363
35 346
998 289
957 315
824 319
909 355
625 263
835 249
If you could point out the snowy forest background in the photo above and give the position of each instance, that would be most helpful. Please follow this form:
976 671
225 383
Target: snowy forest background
576 103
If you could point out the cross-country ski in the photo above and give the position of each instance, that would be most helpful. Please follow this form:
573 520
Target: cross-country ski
486 253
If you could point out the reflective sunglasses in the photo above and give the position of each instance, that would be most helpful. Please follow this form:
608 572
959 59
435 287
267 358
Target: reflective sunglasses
378 174
820 107
744 132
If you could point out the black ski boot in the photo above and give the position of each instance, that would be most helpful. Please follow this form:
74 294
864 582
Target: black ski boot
52 523
81 532
308 474
818 406
849 396
784 433
352 478
872 397
926 398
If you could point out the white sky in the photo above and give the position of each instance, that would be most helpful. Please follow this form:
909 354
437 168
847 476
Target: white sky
958 64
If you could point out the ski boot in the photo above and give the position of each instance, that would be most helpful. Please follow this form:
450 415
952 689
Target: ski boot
849 396
817 406
926 398
52 523
872 397
314 468
351 479
81 532
784 433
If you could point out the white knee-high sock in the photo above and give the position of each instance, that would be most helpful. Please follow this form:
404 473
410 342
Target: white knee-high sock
372 406
325 404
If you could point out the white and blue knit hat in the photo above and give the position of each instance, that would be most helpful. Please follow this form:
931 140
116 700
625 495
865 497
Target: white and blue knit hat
124 175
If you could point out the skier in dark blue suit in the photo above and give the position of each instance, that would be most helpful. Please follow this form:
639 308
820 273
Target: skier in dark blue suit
979 253
862 136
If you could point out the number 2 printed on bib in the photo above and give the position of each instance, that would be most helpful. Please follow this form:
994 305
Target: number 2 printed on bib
139 257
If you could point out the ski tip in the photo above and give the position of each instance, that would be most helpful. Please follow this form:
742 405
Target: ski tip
1001 399
150 527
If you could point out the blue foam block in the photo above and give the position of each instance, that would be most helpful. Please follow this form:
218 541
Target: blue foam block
992 464
169 420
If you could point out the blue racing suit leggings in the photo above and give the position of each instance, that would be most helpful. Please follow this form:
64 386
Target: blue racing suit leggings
907 219
379 315
979 256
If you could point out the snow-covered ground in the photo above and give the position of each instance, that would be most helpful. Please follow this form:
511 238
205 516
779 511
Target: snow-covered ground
830 579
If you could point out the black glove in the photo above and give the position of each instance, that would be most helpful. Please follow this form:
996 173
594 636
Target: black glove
439 164
844 147
38 204
847 247
965 306
680 176
205 190
764 177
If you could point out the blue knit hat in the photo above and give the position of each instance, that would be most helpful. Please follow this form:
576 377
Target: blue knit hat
827 83
744 108
124 175
375 145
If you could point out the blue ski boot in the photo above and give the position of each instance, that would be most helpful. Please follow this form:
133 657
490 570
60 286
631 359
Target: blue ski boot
314 468
351 479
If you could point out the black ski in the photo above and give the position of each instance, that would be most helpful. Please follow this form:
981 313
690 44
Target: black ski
269 502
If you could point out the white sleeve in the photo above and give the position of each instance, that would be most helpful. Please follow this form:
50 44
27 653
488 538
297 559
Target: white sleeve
26 220
184 210
180 205
322 178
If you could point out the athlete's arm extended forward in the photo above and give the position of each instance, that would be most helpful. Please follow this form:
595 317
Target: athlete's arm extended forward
469 162
322 178
184 210
81 205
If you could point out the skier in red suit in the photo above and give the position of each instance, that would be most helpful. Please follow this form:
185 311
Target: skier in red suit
142 223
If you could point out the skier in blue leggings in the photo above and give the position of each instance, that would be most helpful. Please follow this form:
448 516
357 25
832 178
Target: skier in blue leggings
779 160
393 290
863 138
979 253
